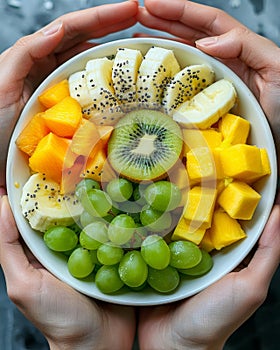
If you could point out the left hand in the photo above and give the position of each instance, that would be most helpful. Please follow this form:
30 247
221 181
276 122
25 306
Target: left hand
32 58
67 318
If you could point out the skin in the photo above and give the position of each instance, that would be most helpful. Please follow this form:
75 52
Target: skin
70 320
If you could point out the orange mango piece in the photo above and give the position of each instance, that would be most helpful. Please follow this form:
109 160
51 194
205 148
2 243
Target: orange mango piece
33 132
49 157
234 129
194 138
54 94
85 138
64 118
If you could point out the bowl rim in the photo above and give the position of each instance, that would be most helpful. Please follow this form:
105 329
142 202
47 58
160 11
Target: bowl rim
133 298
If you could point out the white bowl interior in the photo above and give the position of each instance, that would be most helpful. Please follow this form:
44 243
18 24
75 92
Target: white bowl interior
224 261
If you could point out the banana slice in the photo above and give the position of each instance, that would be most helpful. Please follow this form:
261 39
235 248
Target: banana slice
44 207
78 88
124 75
155 71
185 84
205 108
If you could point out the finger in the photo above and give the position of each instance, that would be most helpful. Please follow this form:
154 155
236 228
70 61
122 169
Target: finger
144 35
12 258
186 19
267 257
96 22
17 61
254 50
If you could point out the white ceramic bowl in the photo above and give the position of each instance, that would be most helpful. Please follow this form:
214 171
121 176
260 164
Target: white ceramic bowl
224 261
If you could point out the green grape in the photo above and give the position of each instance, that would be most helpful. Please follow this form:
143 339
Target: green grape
113 212
120 190
60 238
86 185
165 280
93 235
109 254
155 220
133 270
86 218
163 195
107 279
93 254
155 252
96 202
121 229
132 209
138 194
184 254
80 263
204 266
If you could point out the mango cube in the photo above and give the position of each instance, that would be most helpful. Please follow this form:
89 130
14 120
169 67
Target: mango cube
241 161
206 242
194 138
234 128
265 168
224 230
239 200
201 165
185 231
199 206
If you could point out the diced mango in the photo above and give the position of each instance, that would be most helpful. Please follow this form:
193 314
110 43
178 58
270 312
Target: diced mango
185 231
201 165
241 161
64 118
199 206
224 230
239 200
206 242
85 138
234 128
266 170
33 132
51 157
54 94
179 175
97 167
194 138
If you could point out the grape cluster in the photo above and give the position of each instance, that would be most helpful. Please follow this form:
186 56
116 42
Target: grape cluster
122 236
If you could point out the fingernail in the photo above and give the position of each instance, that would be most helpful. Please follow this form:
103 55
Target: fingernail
52 28
207 41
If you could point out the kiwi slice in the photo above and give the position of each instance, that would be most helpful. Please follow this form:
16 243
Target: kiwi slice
145 145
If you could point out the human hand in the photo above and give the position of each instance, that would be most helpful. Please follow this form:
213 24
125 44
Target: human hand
67 318
32 58
254 58
206 320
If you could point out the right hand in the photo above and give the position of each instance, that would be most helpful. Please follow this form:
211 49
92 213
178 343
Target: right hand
254 58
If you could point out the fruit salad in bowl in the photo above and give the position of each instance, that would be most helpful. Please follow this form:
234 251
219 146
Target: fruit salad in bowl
141 171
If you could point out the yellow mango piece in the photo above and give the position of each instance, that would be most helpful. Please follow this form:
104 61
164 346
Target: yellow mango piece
54 94
266 170
241 161
234 128
85 138
206 242
239 200
31 135
187 232
51 157
194 138
64 118
224 230
199 206
201 165
179 175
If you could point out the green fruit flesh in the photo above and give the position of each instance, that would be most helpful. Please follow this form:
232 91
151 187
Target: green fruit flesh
145 145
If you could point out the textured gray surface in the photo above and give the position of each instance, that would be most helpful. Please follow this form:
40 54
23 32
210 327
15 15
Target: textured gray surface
21 17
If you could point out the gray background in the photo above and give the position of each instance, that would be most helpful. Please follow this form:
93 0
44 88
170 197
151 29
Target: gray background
22 17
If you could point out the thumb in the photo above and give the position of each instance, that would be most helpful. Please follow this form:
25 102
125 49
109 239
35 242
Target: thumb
17 61
240 42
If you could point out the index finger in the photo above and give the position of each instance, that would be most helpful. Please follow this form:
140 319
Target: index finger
186 18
